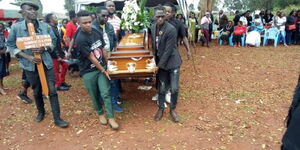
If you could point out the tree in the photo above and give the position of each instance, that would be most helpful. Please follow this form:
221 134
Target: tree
217 4
69 5
37 2
236 4
205 5
271 4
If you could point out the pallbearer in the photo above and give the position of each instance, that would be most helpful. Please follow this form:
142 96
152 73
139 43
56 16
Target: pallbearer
93 68
168 60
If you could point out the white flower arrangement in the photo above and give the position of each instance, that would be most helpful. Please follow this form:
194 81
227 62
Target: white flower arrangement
134 17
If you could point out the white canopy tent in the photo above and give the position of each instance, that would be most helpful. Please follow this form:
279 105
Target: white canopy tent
6 5
79 3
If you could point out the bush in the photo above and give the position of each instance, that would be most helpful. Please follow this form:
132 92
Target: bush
287 10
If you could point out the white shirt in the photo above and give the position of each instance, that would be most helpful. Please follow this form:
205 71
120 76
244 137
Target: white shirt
244 20
280 23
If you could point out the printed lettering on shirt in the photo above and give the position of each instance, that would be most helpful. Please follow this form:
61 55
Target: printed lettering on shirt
96 44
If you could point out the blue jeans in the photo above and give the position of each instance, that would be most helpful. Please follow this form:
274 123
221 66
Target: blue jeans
168 79
115 90
282 35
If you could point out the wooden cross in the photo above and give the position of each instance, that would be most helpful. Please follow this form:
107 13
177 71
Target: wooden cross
36 41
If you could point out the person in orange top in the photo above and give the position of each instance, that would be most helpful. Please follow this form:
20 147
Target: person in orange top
238 32
63 33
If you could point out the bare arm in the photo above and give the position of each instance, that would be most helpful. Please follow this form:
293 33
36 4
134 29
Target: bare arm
28 57
70 47
93 59
187 46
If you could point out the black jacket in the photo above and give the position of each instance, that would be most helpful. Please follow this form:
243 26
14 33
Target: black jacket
57 51
110 32
167 53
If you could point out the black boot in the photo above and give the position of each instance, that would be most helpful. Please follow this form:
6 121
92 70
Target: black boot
56 112
174 115
159 114
39 102
40 116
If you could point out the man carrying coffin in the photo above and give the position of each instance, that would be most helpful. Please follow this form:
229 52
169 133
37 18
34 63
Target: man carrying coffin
168 60
30 63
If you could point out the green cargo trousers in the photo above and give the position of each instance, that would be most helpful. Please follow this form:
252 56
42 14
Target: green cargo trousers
98 87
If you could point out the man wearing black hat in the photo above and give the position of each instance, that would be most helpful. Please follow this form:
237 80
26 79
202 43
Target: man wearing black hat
28 61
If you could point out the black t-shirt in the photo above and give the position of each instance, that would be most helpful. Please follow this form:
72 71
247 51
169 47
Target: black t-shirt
87 43
181 31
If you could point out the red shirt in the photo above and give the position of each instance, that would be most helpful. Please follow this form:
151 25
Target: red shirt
70 31
239 30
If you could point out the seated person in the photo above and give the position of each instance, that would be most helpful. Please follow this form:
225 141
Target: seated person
238 32
254 36
227 31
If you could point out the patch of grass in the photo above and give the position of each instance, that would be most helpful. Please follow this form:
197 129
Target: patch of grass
12 81
241 94
185 95
14 67
7 100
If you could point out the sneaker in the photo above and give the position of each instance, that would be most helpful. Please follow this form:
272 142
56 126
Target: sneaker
119 101
24 98
168 97
155 97
113 124
117 108
2 92
66 84
102 119
62 88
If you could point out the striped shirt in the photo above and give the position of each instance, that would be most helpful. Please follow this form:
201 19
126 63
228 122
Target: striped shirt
115 21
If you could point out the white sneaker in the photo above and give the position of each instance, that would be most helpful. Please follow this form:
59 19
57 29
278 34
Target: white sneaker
155 97
168 97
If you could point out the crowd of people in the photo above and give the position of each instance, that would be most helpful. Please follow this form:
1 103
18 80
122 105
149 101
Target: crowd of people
248 26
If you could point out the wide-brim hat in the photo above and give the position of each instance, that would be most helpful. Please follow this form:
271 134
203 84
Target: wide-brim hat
30 4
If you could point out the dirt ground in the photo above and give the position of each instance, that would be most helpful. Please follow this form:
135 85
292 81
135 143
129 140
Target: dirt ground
237 100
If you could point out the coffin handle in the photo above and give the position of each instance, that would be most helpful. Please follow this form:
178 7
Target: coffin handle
136 58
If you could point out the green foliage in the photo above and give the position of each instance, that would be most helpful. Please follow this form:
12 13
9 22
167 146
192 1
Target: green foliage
144 16
91 9
69 5
285 3
37 2
236 4
288 9
260 4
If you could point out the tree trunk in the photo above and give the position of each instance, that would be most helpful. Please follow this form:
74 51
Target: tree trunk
205 5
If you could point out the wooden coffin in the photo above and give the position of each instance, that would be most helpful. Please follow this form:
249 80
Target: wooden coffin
132 58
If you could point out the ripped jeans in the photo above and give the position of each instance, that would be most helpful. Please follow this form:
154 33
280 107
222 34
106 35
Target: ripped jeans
168 80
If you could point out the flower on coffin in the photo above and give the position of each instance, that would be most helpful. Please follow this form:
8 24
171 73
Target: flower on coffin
134 16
